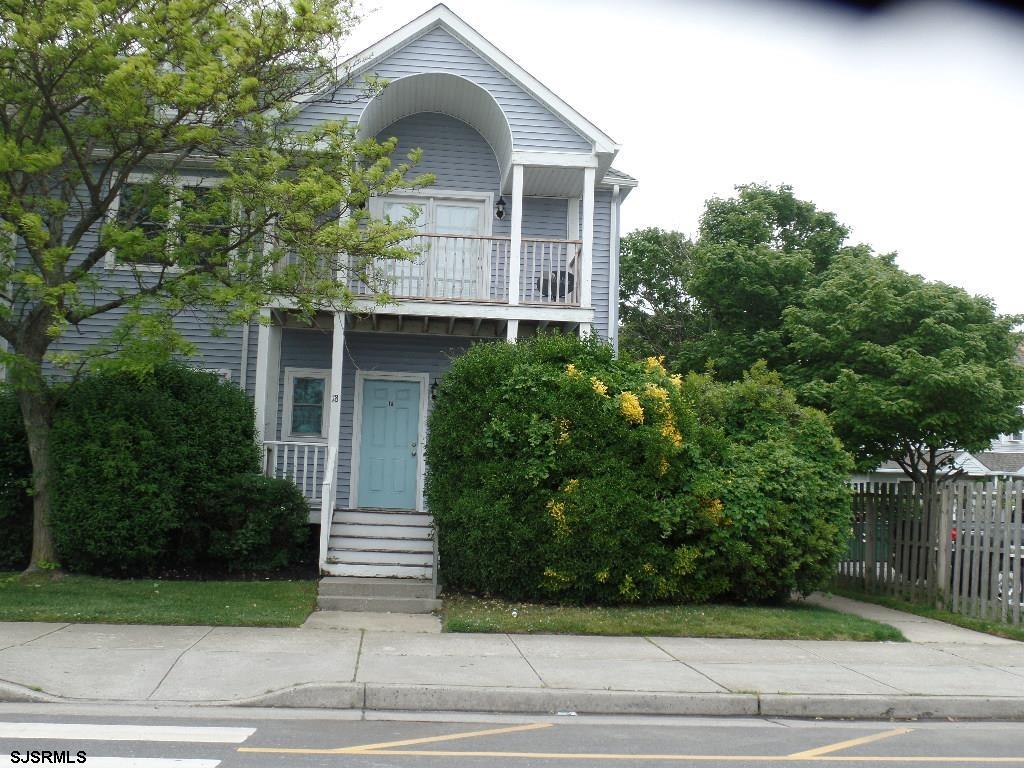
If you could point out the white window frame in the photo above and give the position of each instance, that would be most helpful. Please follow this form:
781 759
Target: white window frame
427 198
179 182
290 374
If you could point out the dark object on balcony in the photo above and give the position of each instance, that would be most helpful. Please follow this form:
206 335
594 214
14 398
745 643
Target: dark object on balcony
560 280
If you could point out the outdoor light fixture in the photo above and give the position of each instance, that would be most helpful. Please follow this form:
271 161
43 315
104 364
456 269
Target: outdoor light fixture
433 389
499 208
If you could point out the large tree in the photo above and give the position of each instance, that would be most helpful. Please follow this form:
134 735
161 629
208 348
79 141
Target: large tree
755 255
909 370
149 162
656 313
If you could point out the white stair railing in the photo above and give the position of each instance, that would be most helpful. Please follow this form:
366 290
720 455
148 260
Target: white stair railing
327 503
302 463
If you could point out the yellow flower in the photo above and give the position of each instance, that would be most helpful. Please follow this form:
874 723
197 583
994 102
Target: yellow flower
601 576
663 466
571 371
563 432
713 510
668 430
659 395
599 386
556 581
629 405
572 485
557 511
655 364
676 379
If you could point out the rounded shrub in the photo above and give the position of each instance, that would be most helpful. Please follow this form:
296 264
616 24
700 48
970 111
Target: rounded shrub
251 523
556 471
15 484
137 461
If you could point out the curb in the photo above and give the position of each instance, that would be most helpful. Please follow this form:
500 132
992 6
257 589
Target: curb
548 701
18 694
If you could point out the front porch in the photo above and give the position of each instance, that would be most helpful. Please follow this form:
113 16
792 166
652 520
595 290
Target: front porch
342 411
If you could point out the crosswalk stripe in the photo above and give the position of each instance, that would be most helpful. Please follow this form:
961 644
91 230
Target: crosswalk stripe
101 732
132 762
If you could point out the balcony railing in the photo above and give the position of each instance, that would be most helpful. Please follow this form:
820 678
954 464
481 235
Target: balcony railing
477 268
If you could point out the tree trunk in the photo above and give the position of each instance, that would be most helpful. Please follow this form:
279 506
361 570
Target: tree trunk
36 413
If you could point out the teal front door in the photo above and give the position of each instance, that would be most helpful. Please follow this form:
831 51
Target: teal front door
389 444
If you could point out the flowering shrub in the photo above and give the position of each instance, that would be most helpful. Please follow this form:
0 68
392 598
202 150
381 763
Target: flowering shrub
556 471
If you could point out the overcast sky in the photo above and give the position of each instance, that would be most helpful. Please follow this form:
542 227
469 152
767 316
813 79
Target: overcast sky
909 123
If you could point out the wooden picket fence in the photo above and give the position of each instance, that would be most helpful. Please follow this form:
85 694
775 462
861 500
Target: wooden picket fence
960 549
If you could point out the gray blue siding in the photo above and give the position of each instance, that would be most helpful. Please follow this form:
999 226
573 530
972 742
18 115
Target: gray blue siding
533 125
401 353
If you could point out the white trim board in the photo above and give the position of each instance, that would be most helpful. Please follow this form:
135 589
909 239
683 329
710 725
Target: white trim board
357 430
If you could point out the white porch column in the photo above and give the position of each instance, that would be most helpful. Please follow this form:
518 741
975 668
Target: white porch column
329 488
268 370
515 257
587 265
512 331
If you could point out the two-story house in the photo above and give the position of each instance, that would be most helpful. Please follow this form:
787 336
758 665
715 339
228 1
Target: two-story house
518 234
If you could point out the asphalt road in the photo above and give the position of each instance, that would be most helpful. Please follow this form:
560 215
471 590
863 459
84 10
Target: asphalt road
113 737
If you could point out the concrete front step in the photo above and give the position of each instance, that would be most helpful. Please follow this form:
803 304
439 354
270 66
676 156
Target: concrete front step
379 557
378 604
384 531
381 517
380 544
348 586
335 568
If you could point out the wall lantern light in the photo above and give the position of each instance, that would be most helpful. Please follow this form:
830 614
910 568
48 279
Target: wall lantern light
499 208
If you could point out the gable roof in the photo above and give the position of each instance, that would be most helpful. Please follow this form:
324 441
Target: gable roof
441 16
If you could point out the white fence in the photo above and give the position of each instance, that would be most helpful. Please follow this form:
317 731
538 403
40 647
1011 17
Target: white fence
962 549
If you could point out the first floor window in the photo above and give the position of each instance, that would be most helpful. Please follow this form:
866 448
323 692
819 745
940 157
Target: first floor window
305 415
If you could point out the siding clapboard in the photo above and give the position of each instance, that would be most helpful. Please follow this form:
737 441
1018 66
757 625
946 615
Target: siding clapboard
437 50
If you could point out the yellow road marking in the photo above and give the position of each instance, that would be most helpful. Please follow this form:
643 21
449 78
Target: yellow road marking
696 758
840 745
404 743
818 754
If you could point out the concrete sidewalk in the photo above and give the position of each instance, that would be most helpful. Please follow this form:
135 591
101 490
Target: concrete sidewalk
310 667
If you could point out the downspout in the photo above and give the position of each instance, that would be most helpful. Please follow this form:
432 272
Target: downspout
613 278
243 363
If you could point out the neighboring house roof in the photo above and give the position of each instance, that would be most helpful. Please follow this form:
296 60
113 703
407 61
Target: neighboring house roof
1007 463
615 176
441 16
981 463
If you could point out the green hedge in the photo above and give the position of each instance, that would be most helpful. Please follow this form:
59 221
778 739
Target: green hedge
558 472
15 482
162 473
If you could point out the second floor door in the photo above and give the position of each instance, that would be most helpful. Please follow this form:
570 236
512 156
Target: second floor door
453 252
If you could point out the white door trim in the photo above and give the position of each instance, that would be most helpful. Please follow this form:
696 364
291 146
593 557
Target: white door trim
357 429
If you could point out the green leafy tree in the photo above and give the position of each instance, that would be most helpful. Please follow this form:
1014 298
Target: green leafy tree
756 255
909 370
656 313
108 110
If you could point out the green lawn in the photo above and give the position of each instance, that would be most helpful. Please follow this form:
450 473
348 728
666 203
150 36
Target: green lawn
990 627
142 601
793 621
